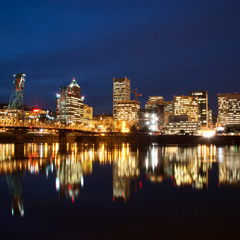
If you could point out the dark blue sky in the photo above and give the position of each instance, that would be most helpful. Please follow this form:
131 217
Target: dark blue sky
165 47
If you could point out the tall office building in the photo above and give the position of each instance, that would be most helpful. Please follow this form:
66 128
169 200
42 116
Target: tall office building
202 106
228 108
186 105
70 104
121 92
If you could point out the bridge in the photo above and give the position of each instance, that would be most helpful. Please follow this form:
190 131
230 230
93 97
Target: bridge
17 123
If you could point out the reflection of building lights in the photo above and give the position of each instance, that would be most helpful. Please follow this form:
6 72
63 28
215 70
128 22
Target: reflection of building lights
82 181
57 184
220 155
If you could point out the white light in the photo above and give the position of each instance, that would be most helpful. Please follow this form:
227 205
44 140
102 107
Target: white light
82 181
153 128
220 129
154 116
57 184
209 134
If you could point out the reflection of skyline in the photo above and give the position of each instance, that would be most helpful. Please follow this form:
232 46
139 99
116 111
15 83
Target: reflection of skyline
229 165
183 165
15 186
125 168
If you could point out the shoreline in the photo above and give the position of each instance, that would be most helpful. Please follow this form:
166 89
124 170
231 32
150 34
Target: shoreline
139 139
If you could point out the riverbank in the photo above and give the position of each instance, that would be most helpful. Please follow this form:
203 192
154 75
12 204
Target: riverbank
139 139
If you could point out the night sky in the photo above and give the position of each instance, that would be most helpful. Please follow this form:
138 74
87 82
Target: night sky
164 47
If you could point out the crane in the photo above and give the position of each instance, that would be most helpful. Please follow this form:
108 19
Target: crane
135 93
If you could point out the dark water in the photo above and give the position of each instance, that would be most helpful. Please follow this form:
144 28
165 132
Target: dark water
119 192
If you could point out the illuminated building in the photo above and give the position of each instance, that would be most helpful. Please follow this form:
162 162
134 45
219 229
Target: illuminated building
153 101
186 105
181 125
87 112
104 122
121 92
32 115
210 118
128 111
202 106
163 109
70 104
228 109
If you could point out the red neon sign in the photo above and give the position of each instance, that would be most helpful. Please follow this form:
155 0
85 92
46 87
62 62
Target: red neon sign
36 110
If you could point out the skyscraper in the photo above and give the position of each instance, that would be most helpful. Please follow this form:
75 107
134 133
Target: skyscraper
202 106
121 92
70 104
228 108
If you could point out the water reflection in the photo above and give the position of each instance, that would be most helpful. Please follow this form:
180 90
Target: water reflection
229 165
183 166
125 168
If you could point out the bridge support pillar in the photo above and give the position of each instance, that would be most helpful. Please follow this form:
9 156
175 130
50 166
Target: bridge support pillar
19 136
62 139
19 151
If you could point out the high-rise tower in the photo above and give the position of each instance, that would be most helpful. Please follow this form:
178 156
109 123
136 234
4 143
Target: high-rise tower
121 92
202 106
70 104
228 109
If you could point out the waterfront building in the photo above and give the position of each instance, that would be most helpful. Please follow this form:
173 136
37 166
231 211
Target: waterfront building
228 109
186 105
70 104
121 92
105 122
128 111
202 106
181 125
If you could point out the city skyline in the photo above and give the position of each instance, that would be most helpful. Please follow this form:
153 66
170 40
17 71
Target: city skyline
164 48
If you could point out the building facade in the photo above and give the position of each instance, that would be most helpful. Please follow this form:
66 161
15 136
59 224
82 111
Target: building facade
87 112
121 92
228 109
70 104
202 106
180 125
128 111
186 105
